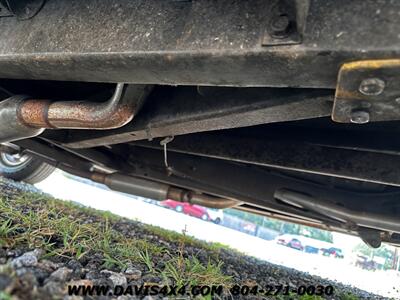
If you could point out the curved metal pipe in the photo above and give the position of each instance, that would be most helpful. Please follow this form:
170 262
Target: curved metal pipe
116 112
21 117
342 214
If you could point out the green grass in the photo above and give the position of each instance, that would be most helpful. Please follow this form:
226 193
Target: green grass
172 236
60 228
34 221
5 296
192 272
308 297
347 296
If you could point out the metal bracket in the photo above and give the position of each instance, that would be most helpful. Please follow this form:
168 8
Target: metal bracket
371 237
368 91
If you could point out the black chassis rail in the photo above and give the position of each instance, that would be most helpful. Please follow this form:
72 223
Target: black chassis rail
226 43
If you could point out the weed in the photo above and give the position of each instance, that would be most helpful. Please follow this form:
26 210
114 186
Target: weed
347 296
5 296
310 297
146 259
65 229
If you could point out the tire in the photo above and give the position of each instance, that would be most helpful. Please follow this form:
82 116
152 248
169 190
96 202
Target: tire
204 217
179 208
24 168
217 221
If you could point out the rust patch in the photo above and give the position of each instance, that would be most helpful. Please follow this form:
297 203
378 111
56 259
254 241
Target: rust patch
175 194
115 113
33 113
84 115
98 177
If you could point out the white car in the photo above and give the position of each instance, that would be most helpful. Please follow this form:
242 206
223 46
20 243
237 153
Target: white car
216 215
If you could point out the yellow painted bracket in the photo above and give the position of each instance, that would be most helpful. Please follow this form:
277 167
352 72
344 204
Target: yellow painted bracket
368 91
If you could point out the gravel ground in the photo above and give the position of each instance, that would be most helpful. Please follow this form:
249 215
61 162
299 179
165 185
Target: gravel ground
26 272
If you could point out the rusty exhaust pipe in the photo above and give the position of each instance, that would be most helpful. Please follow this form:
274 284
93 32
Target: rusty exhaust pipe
21 117
155 190
11 128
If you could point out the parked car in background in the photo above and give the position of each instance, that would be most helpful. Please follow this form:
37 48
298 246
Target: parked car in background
250 228
332 252
295 244
188 209
365 263
311 249
290 240
283 239
312 245
216 215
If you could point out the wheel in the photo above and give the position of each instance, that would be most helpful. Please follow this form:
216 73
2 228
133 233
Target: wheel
217 221
204 217
179 208
24 168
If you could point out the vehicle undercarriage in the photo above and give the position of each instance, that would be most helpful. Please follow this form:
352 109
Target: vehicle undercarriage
289 109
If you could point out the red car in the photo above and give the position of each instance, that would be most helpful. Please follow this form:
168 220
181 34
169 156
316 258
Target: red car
187 208
290 240
295 244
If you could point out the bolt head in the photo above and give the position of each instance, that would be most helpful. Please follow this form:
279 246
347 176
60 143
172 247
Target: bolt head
372 86
279 27
359 117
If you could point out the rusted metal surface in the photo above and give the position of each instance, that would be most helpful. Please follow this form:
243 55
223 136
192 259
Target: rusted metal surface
112 114
368 91
23 118
97 177
175 194
213 202
81 115
33 112
201 199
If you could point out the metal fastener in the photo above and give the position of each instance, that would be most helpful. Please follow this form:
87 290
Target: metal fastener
279 27
372 86
359 117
